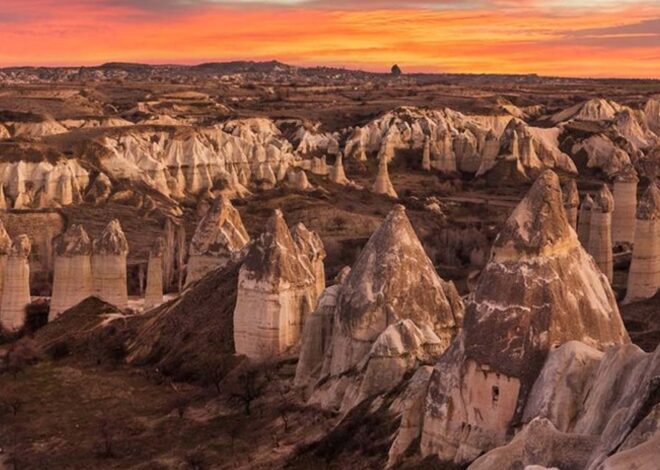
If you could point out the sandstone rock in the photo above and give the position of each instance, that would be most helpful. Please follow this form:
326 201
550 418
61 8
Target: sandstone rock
412 415
337 174
100 189
5 249
584 221
611 398
297 179
72 275
276 292
16 285
571 202
109 253
219 236
383 185
386 322
311 245
625 206
153 295
480 385
426 155
600 233
319 166
644 274
4 205
539 444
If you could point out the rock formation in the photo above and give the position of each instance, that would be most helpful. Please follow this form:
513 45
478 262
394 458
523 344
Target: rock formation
109 253
16 285
319 166
390 314
644 274
571 202
480 385
584 220
337 174
5 250
426 155
72 274
220 235
587 409
311 245
153 295
276 292
600 233
383 185
625 205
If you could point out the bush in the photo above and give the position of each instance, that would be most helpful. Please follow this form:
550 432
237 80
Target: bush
59 350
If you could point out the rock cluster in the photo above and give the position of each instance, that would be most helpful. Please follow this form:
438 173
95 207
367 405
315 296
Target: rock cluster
219 236
385 317
479 387
277 289
588 409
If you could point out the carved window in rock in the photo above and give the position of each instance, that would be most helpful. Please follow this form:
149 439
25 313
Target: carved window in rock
495 394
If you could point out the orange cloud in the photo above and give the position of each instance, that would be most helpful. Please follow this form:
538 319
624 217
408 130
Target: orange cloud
585 43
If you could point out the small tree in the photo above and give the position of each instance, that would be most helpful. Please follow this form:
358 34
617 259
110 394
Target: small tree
247 383
396 70
106 438
22 353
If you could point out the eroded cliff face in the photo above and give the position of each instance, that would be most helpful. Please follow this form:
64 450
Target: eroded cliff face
449 141
379 321
539 290
276 292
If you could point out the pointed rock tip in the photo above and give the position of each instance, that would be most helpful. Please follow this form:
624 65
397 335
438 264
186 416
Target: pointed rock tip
538 223
112 240
649 204
604 199
158 248
21 246
627 175
75 241
5 240
587 202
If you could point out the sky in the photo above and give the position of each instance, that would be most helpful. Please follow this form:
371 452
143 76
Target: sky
591 38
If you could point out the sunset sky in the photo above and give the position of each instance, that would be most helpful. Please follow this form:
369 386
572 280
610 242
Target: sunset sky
556 37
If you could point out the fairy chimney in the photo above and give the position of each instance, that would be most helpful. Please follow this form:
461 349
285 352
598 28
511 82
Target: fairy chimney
109 253
72 273
600 233
16 286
